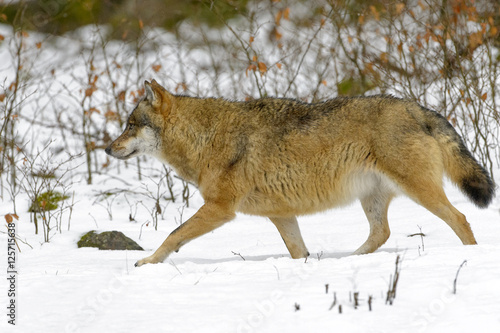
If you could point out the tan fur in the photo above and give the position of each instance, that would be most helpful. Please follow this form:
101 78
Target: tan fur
281 158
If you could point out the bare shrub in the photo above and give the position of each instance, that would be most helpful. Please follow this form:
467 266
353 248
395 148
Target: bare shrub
47 186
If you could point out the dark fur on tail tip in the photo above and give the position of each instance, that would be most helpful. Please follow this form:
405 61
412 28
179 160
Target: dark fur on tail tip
479 188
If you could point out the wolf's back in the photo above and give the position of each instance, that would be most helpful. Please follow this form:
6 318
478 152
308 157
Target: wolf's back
460 166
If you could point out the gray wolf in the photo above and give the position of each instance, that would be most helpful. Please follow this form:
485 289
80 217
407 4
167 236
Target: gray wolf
282 158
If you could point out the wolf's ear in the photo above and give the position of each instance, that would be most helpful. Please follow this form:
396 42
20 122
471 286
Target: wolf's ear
156 94
151 95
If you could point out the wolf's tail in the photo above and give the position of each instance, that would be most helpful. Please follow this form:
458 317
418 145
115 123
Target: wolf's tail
460 166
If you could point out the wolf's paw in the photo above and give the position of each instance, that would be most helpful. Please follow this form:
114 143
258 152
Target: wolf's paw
147 260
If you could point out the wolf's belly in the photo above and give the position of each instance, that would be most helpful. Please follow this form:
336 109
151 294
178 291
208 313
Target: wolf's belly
286 198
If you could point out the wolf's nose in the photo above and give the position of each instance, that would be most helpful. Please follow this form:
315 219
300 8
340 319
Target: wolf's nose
108 150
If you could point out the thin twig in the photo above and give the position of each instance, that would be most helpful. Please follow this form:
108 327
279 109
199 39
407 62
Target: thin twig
456 277
393 282
237 254
334 302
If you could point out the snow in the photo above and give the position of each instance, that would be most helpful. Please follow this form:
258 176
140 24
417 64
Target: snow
240 277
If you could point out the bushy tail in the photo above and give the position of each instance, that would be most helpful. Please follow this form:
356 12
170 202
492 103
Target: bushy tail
460 166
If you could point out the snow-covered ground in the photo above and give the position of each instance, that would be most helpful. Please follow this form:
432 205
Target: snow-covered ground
209 287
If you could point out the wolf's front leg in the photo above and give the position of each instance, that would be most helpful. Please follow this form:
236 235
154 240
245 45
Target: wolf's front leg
209 217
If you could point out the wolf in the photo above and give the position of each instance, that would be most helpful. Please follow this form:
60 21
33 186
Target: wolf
282 158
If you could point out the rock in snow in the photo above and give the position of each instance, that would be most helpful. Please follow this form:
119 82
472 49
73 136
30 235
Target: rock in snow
108 240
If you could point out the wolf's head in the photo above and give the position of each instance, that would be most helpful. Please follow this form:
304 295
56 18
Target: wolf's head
142 133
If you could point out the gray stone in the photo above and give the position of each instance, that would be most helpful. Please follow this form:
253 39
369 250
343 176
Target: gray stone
108 240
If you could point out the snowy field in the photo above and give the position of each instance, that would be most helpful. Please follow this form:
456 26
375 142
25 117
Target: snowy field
209 287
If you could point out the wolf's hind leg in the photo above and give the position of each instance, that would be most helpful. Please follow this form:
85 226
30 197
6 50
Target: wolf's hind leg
432 196
375 207
290 232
